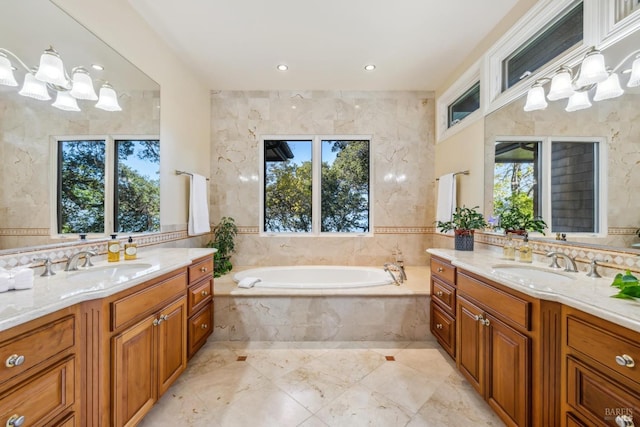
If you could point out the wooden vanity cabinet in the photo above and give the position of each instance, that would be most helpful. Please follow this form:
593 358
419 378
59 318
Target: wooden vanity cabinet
507 348
39 371
200 297
443 304
601 380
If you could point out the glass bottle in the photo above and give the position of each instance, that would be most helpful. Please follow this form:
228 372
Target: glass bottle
509 250
526 253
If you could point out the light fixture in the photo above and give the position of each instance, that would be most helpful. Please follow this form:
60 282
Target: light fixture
282 67
51 76
97 67
370 67
592 73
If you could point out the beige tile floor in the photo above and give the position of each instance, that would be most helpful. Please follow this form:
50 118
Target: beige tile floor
311 384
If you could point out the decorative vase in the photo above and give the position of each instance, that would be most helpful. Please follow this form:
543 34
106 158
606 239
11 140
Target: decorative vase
463 240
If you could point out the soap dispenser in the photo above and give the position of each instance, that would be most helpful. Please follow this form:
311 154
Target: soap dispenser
130 250
526 253
509 249
113 253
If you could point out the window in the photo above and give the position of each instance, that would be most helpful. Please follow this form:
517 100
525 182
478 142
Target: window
316 185
94 196
555 39
558 179
624 8
464 105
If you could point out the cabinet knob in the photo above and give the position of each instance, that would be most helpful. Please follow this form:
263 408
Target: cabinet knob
485 322
440 269
204 293
439 293
624 421
15 420
625 360
204 326
479 318
14 360
203 269
438 325
156 322
164 317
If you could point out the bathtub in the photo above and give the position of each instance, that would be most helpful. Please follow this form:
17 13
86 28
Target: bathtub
316 277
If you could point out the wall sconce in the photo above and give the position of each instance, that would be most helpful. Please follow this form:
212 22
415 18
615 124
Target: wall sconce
51 75
592 73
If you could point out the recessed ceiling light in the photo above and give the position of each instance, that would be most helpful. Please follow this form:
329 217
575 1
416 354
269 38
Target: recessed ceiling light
97 67
283 67
370 67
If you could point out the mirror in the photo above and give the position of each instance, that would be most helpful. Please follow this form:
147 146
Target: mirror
615 120
28 126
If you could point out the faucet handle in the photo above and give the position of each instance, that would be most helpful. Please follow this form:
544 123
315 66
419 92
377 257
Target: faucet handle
47 266
554 260
87 258
593 270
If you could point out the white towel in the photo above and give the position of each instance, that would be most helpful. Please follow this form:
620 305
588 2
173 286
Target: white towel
446 197
248 282
4 280
198 206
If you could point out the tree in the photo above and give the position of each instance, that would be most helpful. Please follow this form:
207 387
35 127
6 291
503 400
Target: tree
288 197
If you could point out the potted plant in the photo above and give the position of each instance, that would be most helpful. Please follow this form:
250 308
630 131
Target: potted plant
224 241
463 223
512 219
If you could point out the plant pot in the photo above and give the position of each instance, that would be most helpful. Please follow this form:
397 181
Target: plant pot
518 232
463 240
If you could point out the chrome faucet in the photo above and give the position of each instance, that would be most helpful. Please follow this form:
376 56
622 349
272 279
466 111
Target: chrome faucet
569 265
72 263
390 267
47 266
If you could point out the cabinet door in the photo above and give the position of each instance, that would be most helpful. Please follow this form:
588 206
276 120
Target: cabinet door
172 344
507 382
470 358
134 373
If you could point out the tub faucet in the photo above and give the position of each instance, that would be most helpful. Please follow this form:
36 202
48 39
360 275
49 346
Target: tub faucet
569 265
72 263
390 267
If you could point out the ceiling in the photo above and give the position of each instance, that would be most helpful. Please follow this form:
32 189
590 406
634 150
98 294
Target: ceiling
237 44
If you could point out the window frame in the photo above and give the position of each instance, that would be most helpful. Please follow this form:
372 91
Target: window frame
110 180
316 160
544 184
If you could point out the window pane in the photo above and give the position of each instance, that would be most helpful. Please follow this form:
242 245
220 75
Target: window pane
137 193
345 186
516 176
573 183
287 193
544 47
81 175
465 105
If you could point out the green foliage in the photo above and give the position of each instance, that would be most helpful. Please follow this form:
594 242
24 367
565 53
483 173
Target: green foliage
463 219
224 240
288 197
628 285
138 202
513 218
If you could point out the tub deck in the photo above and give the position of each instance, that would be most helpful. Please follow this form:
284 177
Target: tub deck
381 313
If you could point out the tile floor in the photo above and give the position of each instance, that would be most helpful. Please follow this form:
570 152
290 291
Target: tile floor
311 384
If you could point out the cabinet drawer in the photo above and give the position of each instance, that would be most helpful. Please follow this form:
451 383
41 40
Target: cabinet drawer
199 294
443 327
200 269
596 397
511 308
200 327
140 303
603 346
443 270
36 346
444 293
42 397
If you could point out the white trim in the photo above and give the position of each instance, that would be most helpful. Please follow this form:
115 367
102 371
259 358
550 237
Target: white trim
455 91
316 159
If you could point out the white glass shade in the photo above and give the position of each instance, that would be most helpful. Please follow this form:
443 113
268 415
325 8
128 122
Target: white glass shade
535 99
592 70
578 101
108 100
609 88
6 72
560 86
634 78
51 69
82 87
66 102
34 88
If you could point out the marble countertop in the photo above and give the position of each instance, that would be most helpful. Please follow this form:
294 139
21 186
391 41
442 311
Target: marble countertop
65 289
584 293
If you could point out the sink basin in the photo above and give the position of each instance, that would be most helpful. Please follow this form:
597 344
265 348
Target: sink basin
530 273
108 273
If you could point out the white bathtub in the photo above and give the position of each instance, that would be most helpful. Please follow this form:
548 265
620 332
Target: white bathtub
316 277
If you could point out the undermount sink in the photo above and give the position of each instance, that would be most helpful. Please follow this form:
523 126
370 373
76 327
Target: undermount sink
531 273
109 272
